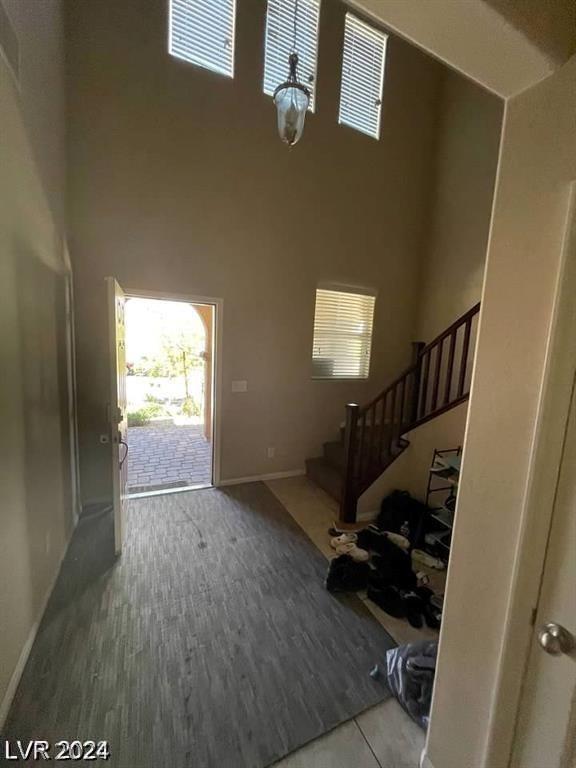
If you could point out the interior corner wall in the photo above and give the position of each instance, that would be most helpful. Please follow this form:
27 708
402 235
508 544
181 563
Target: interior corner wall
453 257
180 184
454 253
479 663
36 515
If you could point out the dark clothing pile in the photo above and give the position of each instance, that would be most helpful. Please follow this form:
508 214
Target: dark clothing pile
399 509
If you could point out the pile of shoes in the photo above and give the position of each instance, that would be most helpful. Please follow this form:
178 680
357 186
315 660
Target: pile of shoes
412 604
381 562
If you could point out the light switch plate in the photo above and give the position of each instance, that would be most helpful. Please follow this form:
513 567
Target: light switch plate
239 386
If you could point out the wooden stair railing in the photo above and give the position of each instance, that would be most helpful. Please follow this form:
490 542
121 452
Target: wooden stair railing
437 380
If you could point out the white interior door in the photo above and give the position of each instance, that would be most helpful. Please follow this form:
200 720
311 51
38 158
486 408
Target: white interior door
546 732
118 414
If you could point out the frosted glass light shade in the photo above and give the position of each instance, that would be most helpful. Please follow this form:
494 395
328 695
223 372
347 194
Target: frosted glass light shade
291 102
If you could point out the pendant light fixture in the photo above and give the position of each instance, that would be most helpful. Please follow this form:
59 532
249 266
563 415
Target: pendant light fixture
291 97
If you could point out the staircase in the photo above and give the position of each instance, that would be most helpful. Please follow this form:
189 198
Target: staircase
373 436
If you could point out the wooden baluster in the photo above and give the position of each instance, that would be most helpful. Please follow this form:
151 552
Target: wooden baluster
370 462
450 369
425 376
417 347
384 402
361 446
401 410
348 499
436 384
392 419
464 358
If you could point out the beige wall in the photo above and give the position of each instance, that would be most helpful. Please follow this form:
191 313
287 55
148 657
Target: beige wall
410 470
40 32
465 169
179 183
480 663
475 38
36 509
453 256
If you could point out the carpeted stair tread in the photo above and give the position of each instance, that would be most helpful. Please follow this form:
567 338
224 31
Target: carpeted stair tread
325 475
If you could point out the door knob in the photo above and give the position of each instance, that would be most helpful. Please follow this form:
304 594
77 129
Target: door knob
555 639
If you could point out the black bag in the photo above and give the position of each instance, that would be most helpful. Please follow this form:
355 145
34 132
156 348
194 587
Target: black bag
399 508
410 671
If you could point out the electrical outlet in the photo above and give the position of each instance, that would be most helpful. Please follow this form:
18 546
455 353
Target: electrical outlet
271 452
239 386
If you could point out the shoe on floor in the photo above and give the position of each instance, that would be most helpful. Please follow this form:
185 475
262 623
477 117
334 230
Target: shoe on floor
357 554
346 575
344 538
398 539
432 616
432 562
413 608
394 569
389 599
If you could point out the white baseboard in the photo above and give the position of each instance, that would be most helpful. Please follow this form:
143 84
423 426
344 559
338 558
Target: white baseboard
27 647
262 478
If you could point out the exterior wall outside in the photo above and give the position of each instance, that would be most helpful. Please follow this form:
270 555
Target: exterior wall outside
179 183
36 514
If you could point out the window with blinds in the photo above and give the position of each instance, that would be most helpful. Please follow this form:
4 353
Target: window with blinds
342 334
280 17
362 76
202 32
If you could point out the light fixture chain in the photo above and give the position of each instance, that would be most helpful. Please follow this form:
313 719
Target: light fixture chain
295 40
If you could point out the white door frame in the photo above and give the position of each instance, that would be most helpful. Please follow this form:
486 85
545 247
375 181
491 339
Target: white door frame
72 397
545 463
218 304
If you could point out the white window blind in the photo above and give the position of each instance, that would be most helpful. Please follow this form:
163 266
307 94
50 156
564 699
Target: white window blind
362 76
202 32
280 40
342 334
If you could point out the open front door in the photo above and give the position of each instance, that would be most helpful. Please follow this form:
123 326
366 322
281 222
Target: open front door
118 415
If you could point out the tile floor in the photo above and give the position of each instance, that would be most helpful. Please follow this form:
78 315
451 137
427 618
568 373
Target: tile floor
384 736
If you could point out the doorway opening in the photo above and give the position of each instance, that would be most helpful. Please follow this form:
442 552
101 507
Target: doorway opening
170 394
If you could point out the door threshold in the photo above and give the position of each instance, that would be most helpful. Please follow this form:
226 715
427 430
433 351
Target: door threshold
164 491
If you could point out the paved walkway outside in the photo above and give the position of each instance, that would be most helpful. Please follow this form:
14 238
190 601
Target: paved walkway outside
165 456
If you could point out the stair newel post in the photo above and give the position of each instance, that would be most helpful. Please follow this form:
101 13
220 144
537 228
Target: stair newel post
348 499
417 347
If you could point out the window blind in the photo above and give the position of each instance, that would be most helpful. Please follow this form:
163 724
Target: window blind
362 76
280 39
342 334
202 32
